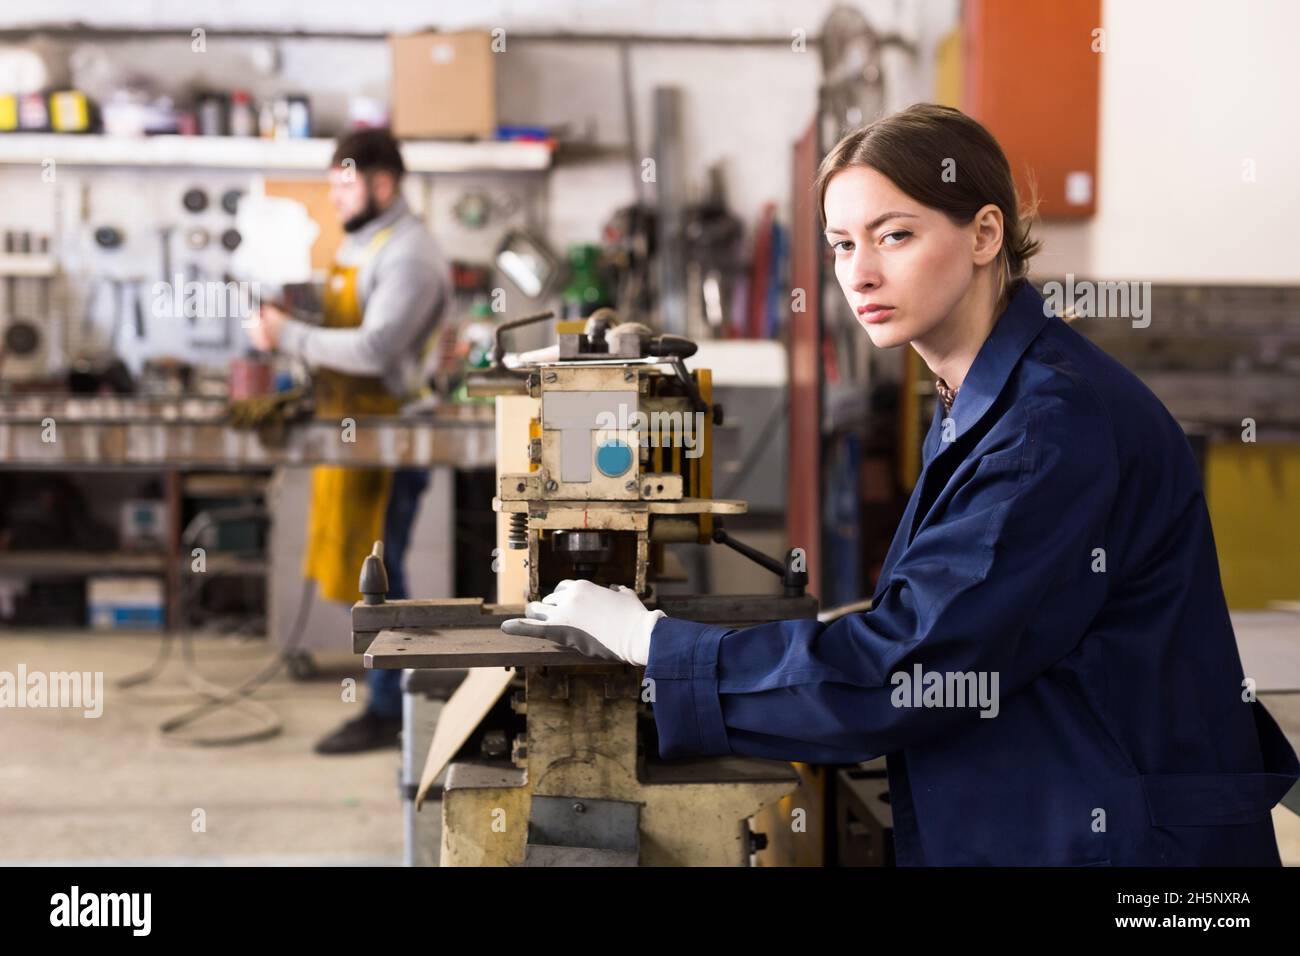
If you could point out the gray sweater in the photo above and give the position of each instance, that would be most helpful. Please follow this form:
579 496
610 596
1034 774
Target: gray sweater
404 288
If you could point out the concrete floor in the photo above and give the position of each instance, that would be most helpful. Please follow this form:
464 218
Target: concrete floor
1285 708
112 790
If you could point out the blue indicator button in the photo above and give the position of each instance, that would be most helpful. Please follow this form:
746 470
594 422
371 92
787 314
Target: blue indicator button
613 458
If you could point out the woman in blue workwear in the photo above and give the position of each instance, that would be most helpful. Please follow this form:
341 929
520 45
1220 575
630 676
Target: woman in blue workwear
1048 660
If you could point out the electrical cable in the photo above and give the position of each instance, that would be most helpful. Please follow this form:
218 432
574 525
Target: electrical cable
217 697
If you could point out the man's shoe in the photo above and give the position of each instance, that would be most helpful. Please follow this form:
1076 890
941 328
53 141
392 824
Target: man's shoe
367 732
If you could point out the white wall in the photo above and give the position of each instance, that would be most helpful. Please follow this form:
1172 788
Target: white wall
743 105
658 17
1191 91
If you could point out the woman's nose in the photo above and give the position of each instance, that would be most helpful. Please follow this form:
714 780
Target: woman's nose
864 276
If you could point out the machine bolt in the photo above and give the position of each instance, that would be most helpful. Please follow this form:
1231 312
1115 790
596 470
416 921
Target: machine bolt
630 486
550 377
494 743
579 808
629 375
552 485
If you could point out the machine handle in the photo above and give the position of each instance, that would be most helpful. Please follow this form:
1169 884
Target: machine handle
794 581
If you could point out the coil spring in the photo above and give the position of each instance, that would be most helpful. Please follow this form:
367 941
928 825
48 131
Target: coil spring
517 537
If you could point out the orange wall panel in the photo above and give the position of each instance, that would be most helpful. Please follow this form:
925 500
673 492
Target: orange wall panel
1032 77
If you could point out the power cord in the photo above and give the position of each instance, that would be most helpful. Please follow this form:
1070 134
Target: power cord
216 697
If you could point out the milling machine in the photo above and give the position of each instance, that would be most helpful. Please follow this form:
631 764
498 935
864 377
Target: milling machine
617 465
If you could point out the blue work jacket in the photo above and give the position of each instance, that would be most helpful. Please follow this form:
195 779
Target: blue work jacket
1057 541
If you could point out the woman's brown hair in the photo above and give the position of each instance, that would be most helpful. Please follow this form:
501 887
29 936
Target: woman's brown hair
945 160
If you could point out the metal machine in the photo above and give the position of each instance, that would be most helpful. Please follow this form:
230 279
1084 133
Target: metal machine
617 466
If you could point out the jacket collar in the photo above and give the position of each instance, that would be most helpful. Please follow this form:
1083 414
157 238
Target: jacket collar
1016 327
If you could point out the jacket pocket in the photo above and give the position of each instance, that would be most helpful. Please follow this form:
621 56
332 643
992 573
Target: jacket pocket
1226 799
1212 799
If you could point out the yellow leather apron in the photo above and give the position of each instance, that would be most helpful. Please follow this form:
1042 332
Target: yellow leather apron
347 504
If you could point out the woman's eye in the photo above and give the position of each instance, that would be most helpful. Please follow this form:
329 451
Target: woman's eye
901 234
843 242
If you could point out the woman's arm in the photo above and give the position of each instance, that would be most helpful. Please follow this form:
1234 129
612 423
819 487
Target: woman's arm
1015 546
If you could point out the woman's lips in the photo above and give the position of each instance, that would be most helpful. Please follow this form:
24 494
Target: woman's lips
872 314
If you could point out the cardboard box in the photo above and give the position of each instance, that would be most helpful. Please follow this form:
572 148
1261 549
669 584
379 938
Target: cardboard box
444 85
124 603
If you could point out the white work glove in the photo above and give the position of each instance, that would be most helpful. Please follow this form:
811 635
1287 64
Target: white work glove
597 621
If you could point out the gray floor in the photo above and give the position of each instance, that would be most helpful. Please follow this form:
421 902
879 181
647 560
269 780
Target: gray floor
1269 642
112 790
1285 709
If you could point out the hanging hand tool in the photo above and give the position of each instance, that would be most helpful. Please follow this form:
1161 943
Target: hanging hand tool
137 290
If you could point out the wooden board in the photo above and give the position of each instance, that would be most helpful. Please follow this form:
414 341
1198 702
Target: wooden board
463 712
314 194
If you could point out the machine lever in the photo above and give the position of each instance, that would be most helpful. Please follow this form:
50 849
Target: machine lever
794 581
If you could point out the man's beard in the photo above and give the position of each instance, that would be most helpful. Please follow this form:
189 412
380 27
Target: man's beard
368 213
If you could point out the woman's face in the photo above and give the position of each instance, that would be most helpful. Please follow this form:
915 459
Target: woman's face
903 266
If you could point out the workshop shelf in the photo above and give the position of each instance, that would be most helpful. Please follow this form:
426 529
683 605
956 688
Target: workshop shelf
240 152
37 563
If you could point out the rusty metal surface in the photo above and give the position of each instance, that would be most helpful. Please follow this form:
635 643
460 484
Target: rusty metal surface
469 647
425 615
729 769
737 610
431 613
421 616
118 432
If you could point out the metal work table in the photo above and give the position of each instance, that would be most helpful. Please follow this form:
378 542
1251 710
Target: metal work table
173 436
128 432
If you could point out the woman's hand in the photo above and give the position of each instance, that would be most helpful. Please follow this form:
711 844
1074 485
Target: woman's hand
597 621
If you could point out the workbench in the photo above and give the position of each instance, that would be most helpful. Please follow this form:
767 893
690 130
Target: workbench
42 432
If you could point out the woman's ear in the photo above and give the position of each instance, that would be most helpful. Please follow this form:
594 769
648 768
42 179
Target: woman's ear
988 234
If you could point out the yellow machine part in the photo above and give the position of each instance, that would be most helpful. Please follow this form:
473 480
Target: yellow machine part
1253 493
534 432
796 826
698 477
701 483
